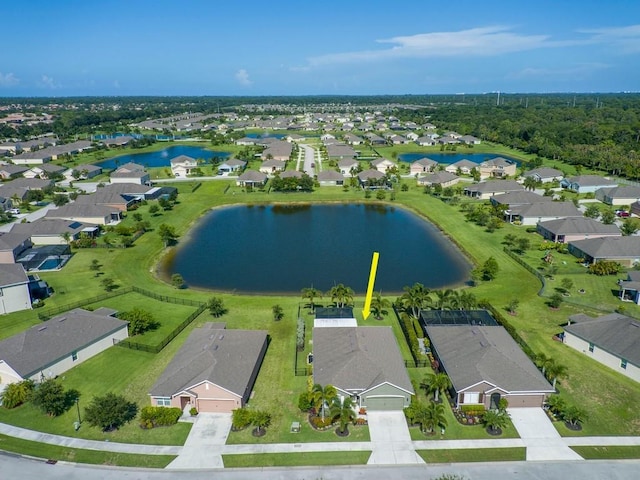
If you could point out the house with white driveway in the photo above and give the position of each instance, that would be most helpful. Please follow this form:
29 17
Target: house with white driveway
183 165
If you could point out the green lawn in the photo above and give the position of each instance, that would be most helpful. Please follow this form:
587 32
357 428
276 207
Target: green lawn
77 455
511 454
605 453
296 459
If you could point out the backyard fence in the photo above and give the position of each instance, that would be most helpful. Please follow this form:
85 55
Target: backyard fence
529 268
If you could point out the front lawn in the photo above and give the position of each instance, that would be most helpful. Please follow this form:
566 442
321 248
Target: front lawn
608 453
296 459
510 454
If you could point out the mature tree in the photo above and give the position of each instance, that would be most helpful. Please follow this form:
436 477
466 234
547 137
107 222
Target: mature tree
51 397
630 226
522 245
414 299
341 295
543 362
467 300
216 307
343 412
110 411
278 312
66 236
16 394
139 320
490 269
321 396
59 199
592 211
555 300
495 420
379 306
137 216
432 416
436 383
177 281
608 217
443 298
167 234
154 209
311 294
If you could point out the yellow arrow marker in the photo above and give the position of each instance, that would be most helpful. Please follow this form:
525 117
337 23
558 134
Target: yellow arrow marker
366 311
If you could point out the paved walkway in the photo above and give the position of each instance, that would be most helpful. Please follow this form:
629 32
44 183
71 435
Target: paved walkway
390 439
203 448
538 434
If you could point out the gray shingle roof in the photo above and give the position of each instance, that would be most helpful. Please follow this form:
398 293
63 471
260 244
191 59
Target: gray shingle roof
474 354
609 247
591 181
495 186
12 274
49 226
40 346
615 333
578 225
544 172
330 175
226 358
547 209
358 358
521 197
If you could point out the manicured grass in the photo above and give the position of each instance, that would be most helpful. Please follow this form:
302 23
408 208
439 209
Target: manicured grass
296 459
77 455
603 453
510 454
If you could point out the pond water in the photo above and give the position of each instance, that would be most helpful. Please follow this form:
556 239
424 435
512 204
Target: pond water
161 158
448 158
282 249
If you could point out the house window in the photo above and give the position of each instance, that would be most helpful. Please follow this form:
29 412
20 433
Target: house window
163 401
623 364
74 356
591 347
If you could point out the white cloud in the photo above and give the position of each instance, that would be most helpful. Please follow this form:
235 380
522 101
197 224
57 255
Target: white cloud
48 82
579 70
242 76
8 80
626 40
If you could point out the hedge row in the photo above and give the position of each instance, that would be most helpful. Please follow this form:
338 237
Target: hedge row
151 417
406 323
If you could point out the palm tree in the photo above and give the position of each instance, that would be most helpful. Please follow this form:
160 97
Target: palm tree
435 384
574 415
467 300
261 420
543 362
494 420
321 396
311 293
414 299
379 306
341 295
530 183
66 236
431 416
443 298
342 410
555 371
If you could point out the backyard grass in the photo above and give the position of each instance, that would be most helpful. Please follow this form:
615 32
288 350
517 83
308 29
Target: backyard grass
295 459
510 454
607 453
77 455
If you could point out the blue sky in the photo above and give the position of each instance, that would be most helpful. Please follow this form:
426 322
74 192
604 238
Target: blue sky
353 47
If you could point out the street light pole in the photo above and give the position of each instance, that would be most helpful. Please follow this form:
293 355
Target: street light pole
77 424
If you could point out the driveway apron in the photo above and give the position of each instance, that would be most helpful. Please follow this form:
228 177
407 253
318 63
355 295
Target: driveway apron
390 439
542 440
203 448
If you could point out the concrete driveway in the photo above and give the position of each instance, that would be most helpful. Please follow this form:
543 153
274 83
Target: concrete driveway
390 440
204 444
542 440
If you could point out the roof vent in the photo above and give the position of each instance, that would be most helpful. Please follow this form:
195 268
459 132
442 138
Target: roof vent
62 319
221 337
42 328
215 347
635 324
483 344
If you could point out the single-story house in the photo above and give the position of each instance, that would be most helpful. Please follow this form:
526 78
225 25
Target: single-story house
119 141
485 364
540 212
370 176
613 340
521 197
326 317
14 289
382 164
252 178
364 363
624 250
12 245
232 165
485 190
12 171
278 150
544 174
352 139
463 167
182 165
347 165
120 195
586 183
46 170
51 348
497 167
272 166
87 213
330 178
30 183
565 230
51 231
84 171
444 179
423 165
470 140
341 151
375 139
622 195
426 141
32 158
130 173
214 370
630 288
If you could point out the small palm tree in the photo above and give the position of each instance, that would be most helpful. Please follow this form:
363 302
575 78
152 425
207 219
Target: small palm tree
555 371
311 294
443 298
321 396
431 417
379 306
494 421
574 415
261 420
343 412
435 384
341 295
543 362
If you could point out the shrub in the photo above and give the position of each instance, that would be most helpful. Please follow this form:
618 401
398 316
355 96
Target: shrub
241 418
605 267
193 411
410 334
151 417
300 334
305 401
110 411
319 422
16 394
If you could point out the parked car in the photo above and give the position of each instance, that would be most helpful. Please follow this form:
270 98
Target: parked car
622 213
14 211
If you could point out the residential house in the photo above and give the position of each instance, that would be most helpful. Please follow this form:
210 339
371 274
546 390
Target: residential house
586 183
130 173
231 165
52 231
252 178
621 195
374 139
214 370
330 178
545 174
14 291
444 179
565 230
341 151
497 167
370 176
119 141
8 172
423 165
461 167
352 139
272 166
485 364
382 165
613 340
347 166
44 171
448 140
86 213
182 165
120 196
623 250
30 183
12 245
330 317
629 289
485 190
531 214
83 172
363 363
290 174
49 349
278 150
32 158
521 197
470 140
426 141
